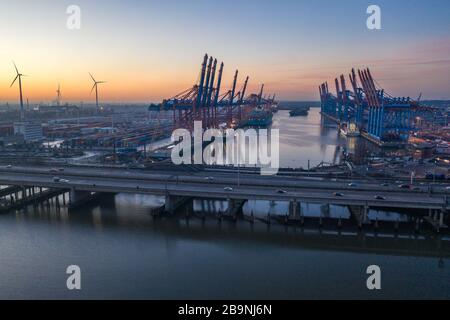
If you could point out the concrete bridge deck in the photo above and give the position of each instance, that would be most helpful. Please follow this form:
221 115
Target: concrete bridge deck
230 177
252 187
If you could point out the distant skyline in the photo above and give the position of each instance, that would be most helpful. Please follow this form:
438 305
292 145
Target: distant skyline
150 50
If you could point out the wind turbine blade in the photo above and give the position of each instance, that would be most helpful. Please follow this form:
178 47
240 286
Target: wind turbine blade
14 81
95 84
15 67
92 77
102 82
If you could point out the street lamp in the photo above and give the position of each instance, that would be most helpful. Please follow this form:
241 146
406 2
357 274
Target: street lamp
239 168
413 174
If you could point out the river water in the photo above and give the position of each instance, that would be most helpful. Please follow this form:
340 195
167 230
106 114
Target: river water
124 253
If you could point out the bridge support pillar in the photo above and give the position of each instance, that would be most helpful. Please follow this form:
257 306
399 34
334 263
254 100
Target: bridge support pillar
325 210
173 203
77 197
295 210
235 207
360 214
436 219
231 205
364 215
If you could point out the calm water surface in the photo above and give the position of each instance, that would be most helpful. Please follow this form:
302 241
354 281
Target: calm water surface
124 253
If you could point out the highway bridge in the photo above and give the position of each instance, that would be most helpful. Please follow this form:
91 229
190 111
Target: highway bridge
232 187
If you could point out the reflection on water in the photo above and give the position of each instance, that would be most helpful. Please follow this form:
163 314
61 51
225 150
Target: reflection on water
305 138
125 253
259 208
308 140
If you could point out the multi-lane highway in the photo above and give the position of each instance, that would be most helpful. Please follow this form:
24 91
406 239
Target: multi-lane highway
227 186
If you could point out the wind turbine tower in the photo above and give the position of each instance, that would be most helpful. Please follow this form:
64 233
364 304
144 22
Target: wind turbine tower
30 131
58 95
96 83
19 76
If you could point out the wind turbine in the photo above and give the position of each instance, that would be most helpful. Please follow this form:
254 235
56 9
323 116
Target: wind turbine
58 95
19 76
96 83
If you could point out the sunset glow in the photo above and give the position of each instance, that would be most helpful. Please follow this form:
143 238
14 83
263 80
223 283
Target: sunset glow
153 50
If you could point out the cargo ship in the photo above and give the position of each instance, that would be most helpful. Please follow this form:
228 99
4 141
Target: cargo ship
304 111
259 118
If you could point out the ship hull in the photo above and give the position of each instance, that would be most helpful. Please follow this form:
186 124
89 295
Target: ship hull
258 123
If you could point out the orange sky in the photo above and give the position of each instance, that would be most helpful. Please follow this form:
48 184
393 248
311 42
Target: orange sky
156 79
146 57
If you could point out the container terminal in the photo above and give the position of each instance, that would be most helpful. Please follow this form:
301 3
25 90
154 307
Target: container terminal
401 129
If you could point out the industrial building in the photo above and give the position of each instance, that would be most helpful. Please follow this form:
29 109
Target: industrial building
31 131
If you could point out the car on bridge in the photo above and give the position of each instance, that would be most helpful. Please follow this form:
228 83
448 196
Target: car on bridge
228 189
338 194
378 197
59 180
